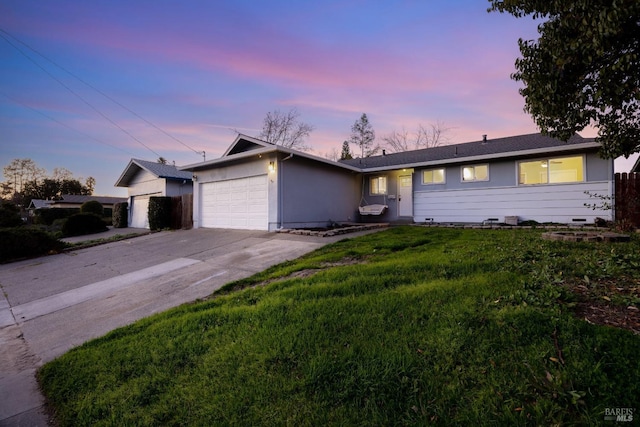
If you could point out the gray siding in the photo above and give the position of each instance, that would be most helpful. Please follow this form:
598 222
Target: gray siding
501 195
313 194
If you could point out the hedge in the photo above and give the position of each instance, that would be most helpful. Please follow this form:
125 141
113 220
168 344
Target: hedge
47 216
9 215
24 242
92 206
83 223
159 212
120 216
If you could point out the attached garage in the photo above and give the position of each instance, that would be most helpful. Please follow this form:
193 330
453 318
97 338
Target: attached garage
241 203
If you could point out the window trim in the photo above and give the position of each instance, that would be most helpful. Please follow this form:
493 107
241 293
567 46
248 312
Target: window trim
444 176
386 185
548 160
462 168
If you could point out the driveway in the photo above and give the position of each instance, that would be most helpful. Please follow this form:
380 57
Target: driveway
51 304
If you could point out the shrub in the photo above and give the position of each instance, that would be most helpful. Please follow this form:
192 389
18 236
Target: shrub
47 216
120 215
159 213
9 215
24 242
83 223
92 206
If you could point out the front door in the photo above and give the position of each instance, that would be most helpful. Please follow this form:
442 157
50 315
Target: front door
405 195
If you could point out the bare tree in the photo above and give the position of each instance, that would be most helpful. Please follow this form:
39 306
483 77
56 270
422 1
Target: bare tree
286 129
429 136
62 174
20 171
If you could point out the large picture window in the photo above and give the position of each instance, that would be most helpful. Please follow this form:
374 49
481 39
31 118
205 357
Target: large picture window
551 171
475 173
378 185
433 176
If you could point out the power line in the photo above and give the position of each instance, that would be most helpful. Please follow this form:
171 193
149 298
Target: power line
64 124
78 96
102 93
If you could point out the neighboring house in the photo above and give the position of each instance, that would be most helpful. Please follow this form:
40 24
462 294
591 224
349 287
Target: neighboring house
76 200
144 179
258 185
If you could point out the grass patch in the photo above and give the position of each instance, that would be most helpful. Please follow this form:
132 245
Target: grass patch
403 327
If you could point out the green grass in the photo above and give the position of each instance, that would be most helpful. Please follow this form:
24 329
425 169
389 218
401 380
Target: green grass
408 326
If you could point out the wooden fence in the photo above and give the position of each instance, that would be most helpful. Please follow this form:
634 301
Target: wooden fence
627 198
182 211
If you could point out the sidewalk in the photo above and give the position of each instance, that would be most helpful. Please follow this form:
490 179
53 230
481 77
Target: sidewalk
107 234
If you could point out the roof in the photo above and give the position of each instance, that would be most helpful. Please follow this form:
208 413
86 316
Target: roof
79 199
246 147
636 166
159 170
513 146
39 204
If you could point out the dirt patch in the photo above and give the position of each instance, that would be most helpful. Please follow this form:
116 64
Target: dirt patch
610 302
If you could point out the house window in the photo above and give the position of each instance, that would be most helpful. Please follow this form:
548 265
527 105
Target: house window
551 171
378 185
475 173
433 176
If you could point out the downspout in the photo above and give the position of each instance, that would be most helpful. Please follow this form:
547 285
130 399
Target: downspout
280 190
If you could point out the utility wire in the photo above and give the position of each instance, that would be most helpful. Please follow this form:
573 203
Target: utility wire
64 124
78 96
101 93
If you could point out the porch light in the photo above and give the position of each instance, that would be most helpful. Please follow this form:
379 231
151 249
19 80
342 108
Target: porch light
272 167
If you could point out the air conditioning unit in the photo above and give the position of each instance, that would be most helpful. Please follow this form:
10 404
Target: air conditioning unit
511 220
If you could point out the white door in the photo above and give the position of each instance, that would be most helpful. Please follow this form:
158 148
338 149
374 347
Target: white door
405 195
237 203
140 212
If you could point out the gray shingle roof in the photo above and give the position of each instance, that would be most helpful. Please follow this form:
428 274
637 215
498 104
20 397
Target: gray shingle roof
157 169
163 171
76 198
458 152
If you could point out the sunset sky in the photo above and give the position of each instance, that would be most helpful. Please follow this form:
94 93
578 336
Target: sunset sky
87 85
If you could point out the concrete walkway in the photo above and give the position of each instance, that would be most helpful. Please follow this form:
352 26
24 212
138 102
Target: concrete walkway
51 304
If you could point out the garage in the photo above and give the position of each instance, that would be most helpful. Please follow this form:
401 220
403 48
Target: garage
236 203
140 212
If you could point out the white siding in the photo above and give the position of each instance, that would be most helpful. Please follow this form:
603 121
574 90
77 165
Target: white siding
236 203
546 203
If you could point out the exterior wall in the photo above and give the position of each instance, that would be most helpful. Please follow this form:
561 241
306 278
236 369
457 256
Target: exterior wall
390 199
145 183
501 196
243 169
314 194
178 188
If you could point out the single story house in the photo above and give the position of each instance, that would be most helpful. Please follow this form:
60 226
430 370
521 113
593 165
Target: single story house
144 179
258 185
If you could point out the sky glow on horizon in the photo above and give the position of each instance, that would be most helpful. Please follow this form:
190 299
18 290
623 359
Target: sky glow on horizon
200 70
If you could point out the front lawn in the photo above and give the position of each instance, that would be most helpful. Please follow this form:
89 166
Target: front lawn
403 327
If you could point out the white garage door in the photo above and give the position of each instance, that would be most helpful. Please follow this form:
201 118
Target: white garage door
237 203
140 212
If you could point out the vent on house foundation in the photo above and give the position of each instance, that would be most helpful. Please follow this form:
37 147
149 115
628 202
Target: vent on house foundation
578 220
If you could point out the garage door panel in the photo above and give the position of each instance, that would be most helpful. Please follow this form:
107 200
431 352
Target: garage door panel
239 203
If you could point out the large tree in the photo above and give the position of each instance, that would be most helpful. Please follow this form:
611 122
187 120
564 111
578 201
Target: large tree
429 136
363 136
583 70
21 171
286 129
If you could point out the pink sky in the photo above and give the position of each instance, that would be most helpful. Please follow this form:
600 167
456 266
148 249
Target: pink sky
198 70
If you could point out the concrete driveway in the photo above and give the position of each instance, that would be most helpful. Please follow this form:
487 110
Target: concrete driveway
51 304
